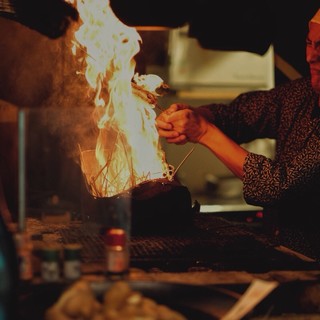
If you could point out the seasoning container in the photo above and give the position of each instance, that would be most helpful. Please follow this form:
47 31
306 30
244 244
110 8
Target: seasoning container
72 261
117 253
24 249
50 264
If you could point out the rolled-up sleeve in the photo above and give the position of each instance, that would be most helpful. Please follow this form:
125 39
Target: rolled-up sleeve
260 186
286 114
267 181
250 116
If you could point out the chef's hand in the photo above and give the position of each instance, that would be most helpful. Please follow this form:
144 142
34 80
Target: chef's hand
180 123
49 17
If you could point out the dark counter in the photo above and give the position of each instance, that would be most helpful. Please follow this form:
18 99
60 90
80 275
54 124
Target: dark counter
218 251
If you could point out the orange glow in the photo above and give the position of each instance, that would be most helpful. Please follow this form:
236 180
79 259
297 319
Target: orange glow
127 150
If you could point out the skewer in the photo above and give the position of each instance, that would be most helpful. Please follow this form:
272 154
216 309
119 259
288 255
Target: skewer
183 160
80 48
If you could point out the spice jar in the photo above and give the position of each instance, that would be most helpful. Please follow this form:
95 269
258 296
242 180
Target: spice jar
117 253
50 265
72 261
24 251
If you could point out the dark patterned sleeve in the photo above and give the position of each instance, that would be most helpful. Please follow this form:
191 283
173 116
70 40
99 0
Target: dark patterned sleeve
250 116
257 115
266 181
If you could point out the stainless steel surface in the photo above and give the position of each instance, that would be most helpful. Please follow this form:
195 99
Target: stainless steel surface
215 204
240 207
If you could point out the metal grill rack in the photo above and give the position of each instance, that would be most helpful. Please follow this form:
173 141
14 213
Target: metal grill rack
213 243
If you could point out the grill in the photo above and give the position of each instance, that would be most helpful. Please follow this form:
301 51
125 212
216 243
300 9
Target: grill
212 243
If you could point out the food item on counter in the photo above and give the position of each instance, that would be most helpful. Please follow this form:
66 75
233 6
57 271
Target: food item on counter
120 301
77 302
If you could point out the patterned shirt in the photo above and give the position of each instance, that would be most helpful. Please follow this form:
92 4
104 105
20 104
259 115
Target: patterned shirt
288 186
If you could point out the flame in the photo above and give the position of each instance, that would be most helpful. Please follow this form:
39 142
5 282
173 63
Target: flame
127 150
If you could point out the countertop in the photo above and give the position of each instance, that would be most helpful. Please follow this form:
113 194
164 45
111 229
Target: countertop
210 259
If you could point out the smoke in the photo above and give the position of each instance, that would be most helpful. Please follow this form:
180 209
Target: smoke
40 75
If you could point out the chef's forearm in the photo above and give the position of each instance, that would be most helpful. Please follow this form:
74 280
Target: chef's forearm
226 150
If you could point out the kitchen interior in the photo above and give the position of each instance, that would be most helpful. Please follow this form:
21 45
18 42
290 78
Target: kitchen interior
201 256
201 76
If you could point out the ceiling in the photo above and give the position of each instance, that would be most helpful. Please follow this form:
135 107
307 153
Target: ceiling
247 25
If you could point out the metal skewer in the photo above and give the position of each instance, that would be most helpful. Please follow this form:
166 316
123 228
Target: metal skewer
183 160
21 170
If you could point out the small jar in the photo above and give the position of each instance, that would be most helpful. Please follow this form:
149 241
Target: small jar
50 265
24 251
72 261
117 253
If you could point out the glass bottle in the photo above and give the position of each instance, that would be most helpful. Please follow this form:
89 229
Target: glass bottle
117 253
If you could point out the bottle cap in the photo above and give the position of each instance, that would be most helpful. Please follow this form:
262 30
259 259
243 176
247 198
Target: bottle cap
72 251
50 254
115 237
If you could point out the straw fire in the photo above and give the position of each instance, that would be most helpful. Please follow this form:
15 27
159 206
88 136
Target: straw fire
127 151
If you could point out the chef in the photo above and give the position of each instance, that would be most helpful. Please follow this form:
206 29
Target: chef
287 186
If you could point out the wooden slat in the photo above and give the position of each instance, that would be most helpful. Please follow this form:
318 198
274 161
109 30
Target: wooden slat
287 69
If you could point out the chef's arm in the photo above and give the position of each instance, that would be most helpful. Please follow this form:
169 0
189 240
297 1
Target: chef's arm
180 124
230 153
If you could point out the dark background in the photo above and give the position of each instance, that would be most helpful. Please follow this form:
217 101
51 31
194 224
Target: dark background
247 25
